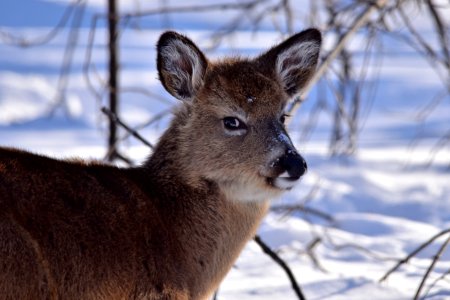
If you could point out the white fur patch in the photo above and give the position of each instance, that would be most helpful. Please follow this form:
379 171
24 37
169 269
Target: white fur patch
236 132
246 192
284 183
284 174
248 187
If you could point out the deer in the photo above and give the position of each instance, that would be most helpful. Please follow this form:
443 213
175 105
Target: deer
172 227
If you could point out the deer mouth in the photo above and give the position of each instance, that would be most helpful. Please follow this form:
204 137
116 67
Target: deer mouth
283 181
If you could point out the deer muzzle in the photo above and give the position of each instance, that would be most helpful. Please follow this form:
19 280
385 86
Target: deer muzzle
291 166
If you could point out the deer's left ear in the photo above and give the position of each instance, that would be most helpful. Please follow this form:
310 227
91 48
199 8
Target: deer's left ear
181 65
294 60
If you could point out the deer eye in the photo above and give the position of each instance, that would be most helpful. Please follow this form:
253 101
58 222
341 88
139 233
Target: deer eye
283 118
232 123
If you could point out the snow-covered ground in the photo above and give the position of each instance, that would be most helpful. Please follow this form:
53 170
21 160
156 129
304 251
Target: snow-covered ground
385 201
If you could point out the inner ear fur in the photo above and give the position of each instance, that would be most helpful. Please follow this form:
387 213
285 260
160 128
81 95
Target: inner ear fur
181 65
293 61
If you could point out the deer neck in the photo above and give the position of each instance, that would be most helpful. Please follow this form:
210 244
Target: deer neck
210 229
168 162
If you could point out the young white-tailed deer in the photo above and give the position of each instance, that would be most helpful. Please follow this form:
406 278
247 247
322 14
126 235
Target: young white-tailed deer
172 228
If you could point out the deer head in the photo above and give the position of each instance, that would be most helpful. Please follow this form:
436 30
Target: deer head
230 127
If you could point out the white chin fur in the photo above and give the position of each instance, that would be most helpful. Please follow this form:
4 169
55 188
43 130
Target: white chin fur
284 175
246 192
284 183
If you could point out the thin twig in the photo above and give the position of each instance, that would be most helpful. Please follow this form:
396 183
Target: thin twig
312 255
266 249
154 119
433 284
330 243
11 39
304 209
441 142
69 50
115 154
423 48
193 8
146 92
359 22
431 267
88 57
442 30
115 119
216 293
413 253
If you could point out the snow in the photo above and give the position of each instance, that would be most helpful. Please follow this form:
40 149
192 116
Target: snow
390 197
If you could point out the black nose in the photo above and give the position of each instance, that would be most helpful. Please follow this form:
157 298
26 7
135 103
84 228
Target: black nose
293 163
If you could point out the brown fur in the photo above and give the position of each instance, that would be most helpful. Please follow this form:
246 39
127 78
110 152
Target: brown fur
170 229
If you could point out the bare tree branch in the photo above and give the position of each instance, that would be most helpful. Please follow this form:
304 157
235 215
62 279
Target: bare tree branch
134 133
430 268
113 81
266 249
194 8
359 22
289 209
442 31
20 41
433 284
69 50
413 253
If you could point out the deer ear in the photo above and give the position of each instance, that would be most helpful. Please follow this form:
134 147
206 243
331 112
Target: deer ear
294 60
181 65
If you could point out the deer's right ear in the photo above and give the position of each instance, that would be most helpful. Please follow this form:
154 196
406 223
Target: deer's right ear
181 65
294 60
